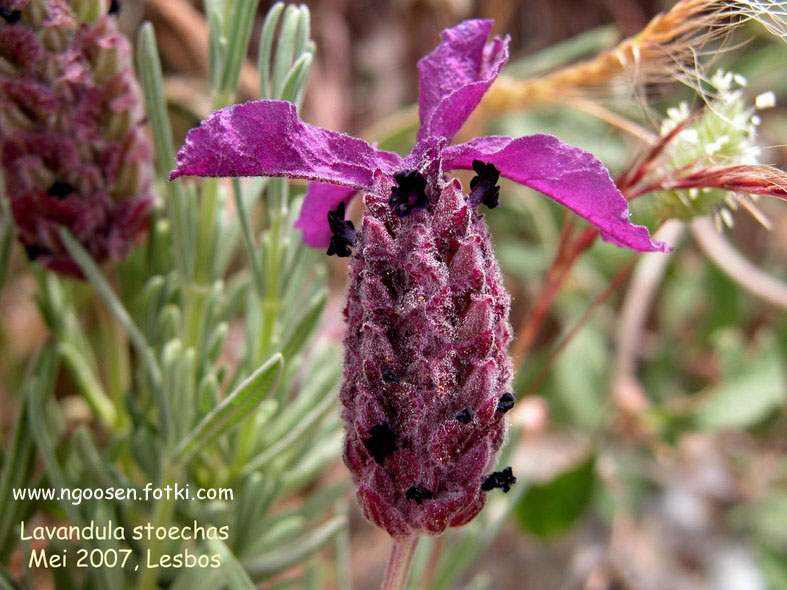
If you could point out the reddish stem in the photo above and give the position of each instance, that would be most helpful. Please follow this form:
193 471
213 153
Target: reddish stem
399 561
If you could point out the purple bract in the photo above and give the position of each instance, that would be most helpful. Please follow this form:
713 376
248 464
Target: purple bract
426 373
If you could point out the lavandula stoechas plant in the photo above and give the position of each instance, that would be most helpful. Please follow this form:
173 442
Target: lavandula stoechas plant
73 151
426 372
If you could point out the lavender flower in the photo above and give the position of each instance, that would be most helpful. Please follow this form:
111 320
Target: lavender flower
426 372
71 147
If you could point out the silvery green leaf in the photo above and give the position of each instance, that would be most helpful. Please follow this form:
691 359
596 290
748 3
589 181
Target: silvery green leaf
266 565
234 408
266 45
298 336
234 574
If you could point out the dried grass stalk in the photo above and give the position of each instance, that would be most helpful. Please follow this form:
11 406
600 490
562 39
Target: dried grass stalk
673 46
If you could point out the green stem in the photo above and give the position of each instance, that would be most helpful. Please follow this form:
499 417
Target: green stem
270 303
117 369
194 315
206 231
248 237
162 516
399 561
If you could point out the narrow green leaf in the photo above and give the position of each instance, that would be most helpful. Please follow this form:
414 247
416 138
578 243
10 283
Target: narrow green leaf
198 578
296 78
304 30
151 80
238 35
105 474
87 383
233 409
234 574
6 240
17 468
304 328
150 76
6 581
40 388
321 454
272 562
285 47
291 438
100 284
252 250
266 44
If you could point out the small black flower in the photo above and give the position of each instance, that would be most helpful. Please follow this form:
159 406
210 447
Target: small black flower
114 7
410 194
499 479
464 416
381 442
34 251
506 402
10 16
390 377
418 494
483 188
60 189
342 232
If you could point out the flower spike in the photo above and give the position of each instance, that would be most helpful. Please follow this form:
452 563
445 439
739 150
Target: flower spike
426 316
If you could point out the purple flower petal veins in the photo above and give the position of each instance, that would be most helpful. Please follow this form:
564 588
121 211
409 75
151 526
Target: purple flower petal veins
571 176
266 138
455 76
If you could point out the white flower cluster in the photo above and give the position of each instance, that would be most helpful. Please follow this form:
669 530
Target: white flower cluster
722 134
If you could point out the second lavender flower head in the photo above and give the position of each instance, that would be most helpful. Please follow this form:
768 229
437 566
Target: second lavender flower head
426 374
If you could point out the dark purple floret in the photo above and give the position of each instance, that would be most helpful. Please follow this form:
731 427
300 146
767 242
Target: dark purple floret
464 416
418 494
381 442
34 251
114 7
409 194
499 479
10 16
483 188
60 189
342 233
390 377
506 402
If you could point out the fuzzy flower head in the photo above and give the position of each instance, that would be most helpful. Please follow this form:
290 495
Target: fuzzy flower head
426 372
72 151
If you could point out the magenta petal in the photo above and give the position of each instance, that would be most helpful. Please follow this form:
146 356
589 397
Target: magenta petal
571 176
266 138
320 198
455 76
